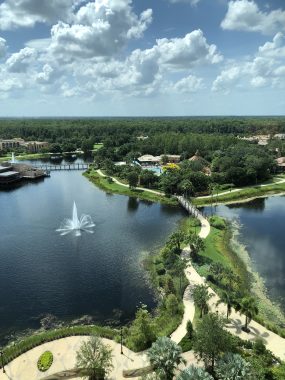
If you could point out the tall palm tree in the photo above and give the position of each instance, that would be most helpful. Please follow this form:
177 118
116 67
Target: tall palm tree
179 267
228 299
201 297
249 308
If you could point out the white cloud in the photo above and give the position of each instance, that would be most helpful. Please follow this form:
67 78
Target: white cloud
21 61
266 68
188 84
187 52
100 29
245 15
3 47
26 13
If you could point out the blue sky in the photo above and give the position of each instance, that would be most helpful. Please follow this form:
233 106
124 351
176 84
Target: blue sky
142 57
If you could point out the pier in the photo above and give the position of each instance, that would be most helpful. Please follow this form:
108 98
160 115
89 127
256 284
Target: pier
48 168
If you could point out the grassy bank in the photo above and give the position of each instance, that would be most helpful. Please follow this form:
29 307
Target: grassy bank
242 195
34 156
20 347
105 184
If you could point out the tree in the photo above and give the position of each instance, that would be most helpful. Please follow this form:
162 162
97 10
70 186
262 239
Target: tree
194 373
94 358
133 179
228 299
141 333
171 304
211 340
196 245
201 297
179 267
233 367
176 239
165 356
249 308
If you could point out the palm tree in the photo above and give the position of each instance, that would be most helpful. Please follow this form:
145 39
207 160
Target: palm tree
194 373
201 297
94 359
176 239
196 245
228 299
249 308
179 267
165 356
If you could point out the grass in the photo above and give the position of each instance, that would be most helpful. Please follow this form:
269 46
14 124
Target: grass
243 194
33 156
104 184
97 146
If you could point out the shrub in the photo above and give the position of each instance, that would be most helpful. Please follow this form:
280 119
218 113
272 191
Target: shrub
217 222
194 373
45 361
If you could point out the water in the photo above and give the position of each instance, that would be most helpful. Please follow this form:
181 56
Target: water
262 231
94 274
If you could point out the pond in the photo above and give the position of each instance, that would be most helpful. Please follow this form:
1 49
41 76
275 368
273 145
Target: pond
99 274
262 232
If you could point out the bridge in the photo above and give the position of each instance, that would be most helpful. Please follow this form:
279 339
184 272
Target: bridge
49 168
189 207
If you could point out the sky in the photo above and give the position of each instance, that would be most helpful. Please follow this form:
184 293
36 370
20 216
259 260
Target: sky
142 57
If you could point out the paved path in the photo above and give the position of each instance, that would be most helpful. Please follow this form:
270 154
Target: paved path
273 342
125 185
281 180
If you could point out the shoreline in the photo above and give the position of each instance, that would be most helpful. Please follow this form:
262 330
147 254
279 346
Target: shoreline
270 311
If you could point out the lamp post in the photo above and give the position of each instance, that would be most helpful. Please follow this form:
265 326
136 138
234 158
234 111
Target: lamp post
2 361
121 340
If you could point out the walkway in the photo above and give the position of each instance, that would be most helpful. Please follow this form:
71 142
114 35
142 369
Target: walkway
281 180
273 342
125 185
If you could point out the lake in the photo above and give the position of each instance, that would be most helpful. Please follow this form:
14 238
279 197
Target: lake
99 274
262 232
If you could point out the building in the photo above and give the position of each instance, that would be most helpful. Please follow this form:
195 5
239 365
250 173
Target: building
148 160
10 144
173 158
281 163
258 139
280 136
8 175
35 146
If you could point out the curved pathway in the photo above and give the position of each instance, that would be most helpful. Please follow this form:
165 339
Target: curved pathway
125 185
281 180
273 342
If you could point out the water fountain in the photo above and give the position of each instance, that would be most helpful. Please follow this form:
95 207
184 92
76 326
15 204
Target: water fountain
84 223
13 159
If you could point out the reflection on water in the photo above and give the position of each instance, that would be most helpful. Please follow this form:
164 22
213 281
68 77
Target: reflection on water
263 233
94 274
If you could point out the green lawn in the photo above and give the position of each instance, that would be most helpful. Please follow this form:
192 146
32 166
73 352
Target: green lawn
113 187
97 146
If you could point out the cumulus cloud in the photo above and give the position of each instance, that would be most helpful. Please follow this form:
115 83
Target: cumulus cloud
188 84
100 29
187 52
3 47
266 68
245 15
26 13
21 61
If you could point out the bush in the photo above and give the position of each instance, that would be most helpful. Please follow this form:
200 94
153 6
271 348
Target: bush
45 361
217 222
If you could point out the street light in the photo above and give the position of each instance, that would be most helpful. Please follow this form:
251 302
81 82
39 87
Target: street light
121 340
2 360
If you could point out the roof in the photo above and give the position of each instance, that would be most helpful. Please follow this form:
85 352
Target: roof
280 161
149 158
196 157
8 174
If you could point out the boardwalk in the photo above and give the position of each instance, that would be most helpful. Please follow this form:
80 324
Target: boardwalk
49 168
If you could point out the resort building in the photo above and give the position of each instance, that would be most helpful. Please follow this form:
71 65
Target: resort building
10 173
280 136
35 146
149 160
10 144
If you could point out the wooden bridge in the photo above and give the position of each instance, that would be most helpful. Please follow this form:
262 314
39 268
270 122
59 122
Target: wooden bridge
189 207
49 168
